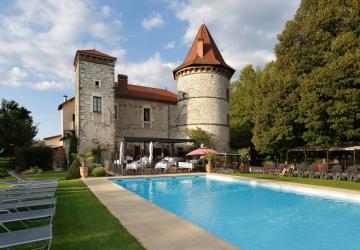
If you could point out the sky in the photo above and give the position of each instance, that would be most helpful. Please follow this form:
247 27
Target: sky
39 38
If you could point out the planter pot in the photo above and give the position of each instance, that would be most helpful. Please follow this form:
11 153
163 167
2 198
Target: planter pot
208 168
84 172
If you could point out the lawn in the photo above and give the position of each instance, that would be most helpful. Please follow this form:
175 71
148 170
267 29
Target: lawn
318 182
83 222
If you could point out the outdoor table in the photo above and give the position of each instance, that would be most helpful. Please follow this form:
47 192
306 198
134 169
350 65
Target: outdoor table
134 165
162 165
186 165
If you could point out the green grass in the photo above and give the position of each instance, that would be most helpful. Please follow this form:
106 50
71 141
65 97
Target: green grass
318 182
82 222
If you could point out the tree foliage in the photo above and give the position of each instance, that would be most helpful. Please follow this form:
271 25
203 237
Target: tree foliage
311 94
201 137
16 126
39 155
242 93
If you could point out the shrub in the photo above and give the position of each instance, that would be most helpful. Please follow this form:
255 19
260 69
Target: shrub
32 171
98 171
73 148
91 166
39 155
73 171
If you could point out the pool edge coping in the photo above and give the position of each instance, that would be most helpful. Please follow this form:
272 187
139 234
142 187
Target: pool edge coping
131 210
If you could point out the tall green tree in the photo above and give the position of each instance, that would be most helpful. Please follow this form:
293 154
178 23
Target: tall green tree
310 95
241 109
17 128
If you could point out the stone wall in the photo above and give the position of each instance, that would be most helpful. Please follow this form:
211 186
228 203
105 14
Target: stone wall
130 118
94 128
204 104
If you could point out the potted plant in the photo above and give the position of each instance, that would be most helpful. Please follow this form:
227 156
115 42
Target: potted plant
209 157
84 159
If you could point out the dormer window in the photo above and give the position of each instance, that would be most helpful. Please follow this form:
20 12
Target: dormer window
96 83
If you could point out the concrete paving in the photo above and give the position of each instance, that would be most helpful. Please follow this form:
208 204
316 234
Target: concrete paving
154 227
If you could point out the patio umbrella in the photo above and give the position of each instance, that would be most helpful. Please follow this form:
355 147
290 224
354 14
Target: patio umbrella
201 151
121 156
151 152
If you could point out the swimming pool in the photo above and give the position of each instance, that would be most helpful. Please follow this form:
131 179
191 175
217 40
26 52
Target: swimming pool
253 216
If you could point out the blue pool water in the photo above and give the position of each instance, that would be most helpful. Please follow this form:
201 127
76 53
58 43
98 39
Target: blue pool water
254 217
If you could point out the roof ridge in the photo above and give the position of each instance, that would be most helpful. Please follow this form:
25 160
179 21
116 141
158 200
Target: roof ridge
132 84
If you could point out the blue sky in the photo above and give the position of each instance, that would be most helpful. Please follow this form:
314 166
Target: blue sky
38 41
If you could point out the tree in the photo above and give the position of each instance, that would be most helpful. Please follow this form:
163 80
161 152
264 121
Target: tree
5 164
276 100
242 93
200 137
310 94
16 126
39 155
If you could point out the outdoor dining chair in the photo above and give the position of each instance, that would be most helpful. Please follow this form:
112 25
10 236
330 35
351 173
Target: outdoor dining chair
301 170
312 171
336 172
324 171
352 173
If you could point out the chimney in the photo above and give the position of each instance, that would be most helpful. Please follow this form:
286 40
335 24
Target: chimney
200 47
122 82
65 98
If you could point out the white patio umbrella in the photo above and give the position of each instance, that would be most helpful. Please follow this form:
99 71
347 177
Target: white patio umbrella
121 156
151 152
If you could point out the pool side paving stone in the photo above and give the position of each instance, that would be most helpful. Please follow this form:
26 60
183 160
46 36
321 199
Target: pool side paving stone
154 227
343 191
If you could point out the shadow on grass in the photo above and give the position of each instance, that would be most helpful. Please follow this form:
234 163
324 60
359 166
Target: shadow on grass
83 222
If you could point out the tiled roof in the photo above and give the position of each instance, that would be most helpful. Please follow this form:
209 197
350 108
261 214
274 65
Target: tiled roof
209 55
146 93
95 53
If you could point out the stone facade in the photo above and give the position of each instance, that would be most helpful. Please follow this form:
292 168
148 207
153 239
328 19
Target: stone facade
203 102
130 118
94 129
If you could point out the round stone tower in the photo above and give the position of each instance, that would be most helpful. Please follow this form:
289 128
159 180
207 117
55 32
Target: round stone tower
203 91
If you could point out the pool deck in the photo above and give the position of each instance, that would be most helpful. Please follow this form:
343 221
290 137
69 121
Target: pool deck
154 227
343 194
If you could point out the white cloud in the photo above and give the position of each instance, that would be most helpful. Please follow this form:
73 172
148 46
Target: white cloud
245 31
154 21
40 38
154 72
170 45
105 10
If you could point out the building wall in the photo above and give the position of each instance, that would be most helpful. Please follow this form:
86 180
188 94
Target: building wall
94 129
53 142
67 112
205 104
130 118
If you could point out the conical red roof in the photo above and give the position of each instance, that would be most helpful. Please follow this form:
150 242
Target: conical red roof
203 52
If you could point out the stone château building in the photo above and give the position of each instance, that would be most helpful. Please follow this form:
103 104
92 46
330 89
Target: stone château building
105 111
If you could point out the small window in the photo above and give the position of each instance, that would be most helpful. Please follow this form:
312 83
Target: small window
146 114
97 83
73 117
227 94
116 112
96 104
